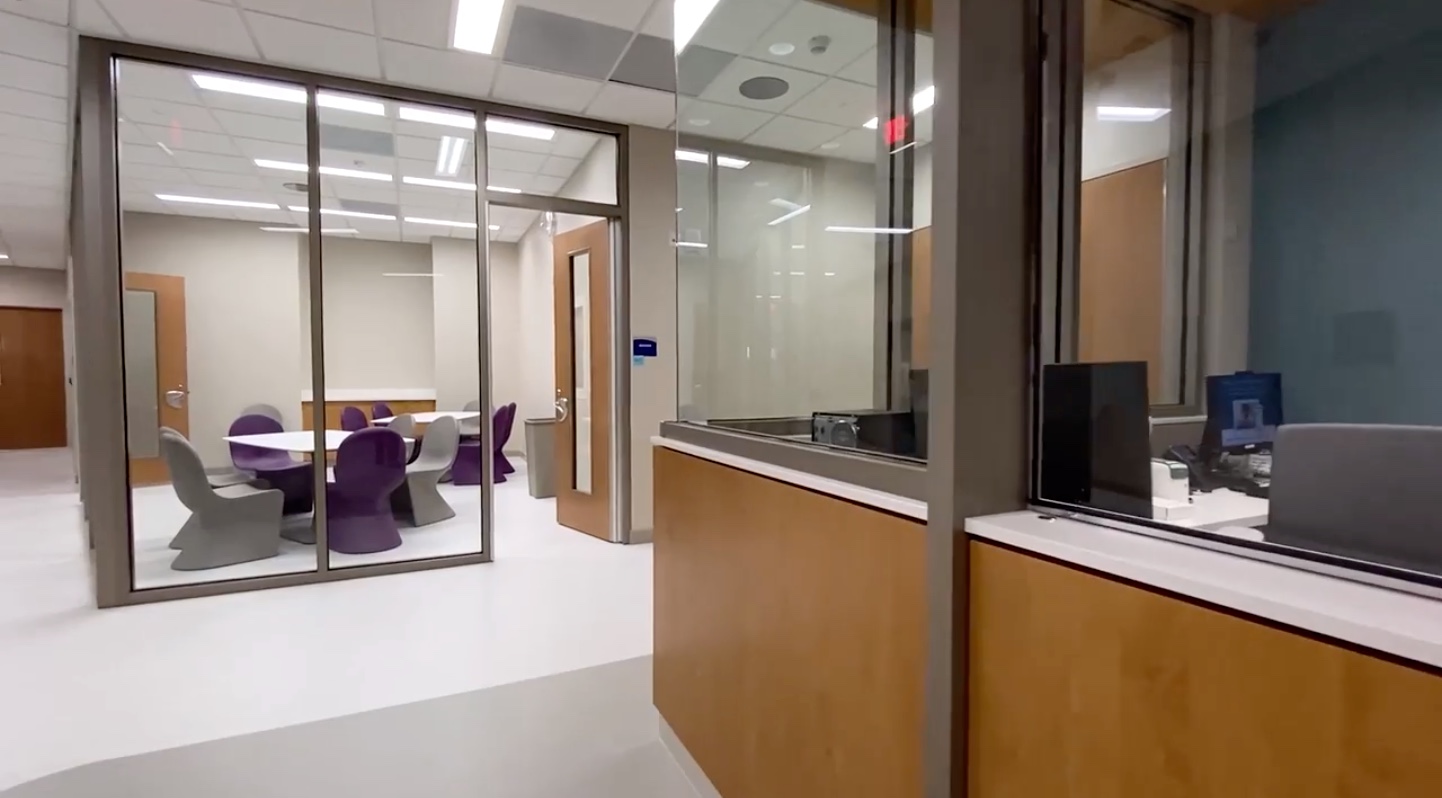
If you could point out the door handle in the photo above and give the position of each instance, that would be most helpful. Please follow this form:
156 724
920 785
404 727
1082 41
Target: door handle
176 398
563 408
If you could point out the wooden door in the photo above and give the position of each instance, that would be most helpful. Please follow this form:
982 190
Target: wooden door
1123 216
157 392
921 298
583 373
32 379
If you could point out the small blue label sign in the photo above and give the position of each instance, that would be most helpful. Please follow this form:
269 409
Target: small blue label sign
643 347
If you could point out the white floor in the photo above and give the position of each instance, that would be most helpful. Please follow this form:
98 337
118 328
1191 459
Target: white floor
78 685
159 515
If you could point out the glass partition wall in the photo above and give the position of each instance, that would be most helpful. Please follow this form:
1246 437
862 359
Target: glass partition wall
803 224
301 301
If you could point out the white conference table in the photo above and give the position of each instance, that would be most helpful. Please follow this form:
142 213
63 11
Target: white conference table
1226 508
429 418
299 442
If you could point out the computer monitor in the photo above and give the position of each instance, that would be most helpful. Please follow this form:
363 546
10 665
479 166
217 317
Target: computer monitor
1244 411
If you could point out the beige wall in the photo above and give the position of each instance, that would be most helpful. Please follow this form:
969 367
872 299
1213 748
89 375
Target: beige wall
509 324
537 347
31 288
242 316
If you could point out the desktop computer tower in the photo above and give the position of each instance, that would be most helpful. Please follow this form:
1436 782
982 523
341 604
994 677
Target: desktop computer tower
1095 437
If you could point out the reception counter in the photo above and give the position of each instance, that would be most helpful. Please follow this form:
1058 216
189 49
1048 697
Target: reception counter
789 653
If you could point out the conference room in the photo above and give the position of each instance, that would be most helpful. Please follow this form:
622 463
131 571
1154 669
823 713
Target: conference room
394 331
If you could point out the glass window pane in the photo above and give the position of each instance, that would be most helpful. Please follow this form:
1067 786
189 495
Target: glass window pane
400 292
212 313
551 161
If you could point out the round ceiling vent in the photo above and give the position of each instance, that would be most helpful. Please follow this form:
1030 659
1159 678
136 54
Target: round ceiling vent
764 88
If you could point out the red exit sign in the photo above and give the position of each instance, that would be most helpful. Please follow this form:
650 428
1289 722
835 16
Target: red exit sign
895 130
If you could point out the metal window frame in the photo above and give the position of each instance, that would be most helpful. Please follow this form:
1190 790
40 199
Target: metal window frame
104 465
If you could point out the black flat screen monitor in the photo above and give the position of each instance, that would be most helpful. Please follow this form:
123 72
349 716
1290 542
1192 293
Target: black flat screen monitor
1244 411
1095 437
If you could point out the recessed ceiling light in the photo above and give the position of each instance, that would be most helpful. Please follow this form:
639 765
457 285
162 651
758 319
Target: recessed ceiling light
522 129
433 183
265 206
798 246
384 217
782 48
889 231
477 23
691 244
410 113
328 231
493 227
440 222
699 122
696 156
286 93
831 145
678 210
333 171
790 215
3 256
1127 113
732 163
692 156
448 159
690 15
503 190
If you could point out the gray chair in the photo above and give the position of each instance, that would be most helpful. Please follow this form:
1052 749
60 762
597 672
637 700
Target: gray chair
228 525
1366 491
269 411
471 427
405 426
418 499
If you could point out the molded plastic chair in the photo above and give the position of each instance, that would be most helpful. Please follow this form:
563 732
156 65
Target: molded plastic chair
471 427
467 468
228 525
404 425
353 419
381 410
291 477
369 466
503 434
419 498
269 411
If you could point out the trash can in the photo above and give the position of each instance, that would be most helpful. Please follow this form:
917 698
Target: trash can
541 457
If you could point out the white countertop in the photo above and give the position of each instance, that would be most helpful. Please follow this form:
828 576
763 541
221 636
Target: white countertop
1397 623
299 442
373 395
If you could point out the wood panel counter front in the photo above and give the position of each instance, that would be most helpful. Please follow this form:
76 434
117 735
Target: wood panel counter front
789 634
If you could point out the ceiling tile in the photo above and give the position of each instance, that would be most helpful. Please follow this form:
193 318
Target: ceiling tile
27 128
34 105
556 166
661 22
547 186
91 18
635 106
192 25
130 172
513 161
501 177
722 121
178 139
56 12
32 39
262 128
153 81
839 102
315 47
144 154
251 148
735 25
797 135
618 13
168 114
354 15
211 162
698 67
574 143
543 89
566 45
650 62
851 35
726 88
227 180
862 69
451 71
37 76
424 22
853 145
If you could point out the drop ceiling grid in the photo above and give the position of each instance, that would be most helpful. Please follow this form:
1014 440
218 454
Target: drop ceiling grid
34 131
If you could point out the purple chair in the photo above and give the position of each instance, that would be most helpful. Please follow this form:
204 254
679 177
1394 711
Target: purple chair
369 466
507 419
284 473
381 410
466 470
353 419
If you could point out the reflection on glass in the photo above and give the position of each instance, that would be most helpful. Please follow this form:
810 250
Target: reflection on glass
533 158
211 314
581 367
400 290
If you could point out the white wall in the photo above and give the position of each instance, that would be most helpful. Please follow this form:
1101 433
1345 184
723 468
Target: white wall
653 305
537 346
509 324
1142 79
242 303
21 287
379 330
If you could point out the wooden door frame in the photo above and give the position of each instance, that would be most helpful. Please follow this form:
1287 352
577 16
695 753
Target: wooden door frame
64 369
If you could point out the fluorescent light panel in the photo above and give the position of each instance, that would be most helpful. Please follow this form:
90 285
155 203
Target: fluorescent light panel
691 244
265 206
266 90
406 274
791 215
503 189
430 182
440 222
512 128
732 163
690 15
1128 113
890 231
384 217
429 116
333 171
696 156
328 231
692 156
448 159
477 23
3 256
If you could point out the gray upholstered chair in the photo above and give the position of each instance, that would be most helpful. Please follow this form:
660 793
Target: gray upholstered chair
228 525
418 499
269 411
